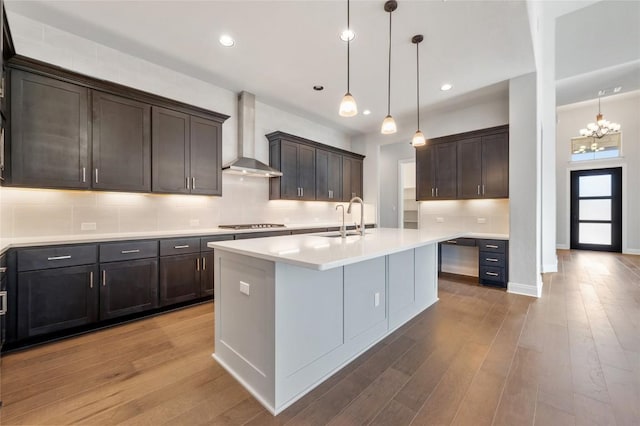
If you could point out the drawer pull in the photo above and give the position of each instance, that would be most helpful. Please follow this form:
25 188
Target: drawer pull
493 274
104 278
58 257
3 308
91 279
491 259
130 251
198 264
181 247
491 246
452 242
204 263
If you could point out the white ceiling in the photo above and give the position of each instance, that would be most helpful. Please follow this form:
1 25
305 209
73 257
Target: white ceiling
283 48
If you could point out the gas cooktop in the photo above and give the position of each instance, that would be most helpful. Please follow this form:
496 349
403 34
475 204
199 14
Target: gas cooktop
252 226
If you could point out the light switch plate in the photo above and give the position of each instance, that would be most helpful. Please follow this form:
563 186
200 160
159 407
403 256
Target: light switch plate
88 226
245 288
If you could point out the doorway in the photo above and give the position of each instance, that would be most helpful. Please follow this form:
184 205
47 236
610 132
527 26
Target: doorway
596 209
408 211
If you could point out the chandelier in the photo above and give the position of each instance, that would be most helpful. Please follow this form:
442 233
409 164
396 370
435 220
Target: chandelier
600 128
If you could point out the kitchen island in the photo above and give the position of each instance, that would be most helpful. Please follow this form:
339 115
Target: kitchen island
292 310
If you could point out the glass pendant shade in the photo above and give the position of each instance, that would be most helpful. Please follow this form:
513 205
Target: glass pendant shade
348 107
388 126
418 139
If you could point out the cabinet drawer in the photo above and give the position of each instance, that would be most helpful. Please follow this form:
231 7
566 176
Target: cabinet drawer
179 246
496 246
56 257
492 273
468 242
205 240
492 259
128 251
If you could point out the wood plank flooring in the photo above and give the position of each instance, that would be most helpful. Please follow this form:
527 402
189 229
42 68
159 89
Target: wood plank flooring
479 356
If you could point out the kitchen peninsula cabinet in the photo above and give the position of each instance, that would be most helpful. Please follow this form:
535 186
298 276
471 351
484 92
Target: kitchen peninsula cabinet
121 143
187 153
312 171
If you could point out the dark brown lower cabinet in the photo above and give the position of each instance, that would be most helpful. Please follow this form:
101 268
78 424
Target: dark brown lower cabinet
179 278
56 299
206 274
128 287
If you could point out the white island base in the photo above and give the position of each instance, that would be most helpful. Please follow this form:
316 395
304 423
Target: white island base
282 329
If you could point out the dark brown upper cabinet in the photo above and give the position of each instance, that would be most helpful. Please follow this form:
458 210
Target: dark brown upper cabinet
483 166
351 178
328 176
70 131
436 172
464 166
311 170
49 141
121 143
187 153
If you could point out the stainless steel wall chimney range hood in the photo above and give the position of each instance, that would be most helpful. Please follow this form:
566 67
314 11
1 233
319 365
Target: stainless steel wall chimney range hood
245 165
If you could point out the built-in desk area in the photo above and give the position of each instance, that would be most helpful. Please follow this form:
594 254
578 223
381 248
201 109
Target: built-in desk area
485 258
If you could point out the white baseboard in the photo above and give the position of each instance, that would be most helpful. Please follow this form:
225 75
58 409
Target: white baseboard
562 246
550 267
631 251
525 289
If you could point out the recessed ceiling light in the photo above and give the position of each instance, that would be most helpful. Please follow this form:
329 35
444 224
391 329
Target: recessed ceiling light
226 40
366 112
347 35
318 87
446 87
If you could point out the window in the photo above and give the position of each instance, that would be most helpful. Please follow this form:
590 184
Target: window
587 148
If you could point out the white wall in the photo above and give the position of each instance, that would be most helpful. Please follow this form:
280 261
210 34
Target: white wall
26 212
625 110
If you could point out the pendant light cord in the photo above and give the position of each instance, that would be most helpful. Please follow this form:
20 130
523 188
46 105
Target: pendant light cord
418 81
348 45
389 79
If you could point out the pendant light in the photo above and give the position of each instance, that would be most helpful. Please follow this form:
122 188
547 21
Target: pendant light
389 124
348 107
418 137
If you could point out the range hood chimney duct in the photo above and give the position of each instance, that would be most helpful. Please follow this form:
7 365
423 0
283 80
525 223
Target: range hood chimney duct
245 164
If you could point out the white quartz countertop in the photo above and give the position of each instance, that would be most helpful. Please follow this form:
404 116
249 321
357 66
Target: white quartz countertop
7 243
320 252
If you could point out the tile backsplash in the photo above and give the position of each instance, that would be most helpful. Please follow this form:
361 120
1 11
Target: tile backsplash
486 216
45 212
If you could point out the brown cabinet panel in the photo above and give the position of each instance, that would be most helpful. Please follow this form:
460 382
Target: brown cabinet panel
170 158
206 274
307 172
495 166
179 278
470 168
351 178
446 171
206 156
121 143
289 188
128 287
425 173
49 145
328 176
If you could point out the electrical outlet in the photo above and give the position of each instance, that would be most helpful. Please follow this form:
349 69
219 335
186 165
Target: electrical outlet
88 226
440 219
194 222
376 300
245 288
482 220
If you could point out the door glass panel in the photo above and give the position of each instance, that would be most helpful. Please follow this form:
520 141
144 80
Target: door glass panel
595 233
595 209
595 186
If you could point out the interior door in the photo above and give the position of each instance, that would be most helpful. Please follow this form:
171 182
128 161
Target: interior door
596 209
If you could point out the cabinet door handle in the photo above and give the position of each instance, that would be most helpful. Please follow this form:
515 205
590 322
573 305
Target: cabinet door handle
491 246
478 189
197 264
302 192
91 279
491 259
59 257
3 306
436 192
181 247
130 251
482 189
204 263
84 174
432 195
193 183
3 270
96 175
104 277
493 274
187 178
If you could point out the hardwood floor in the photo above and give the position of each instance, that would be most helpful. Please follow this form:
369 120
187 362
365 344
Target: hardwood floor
479 356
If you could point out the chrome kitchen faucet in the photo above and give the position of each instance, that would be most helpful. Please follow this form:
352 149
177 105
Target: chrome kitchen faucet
359 200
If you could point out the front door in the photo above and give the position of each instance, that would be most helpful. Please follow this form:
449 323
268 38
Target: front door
596 209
